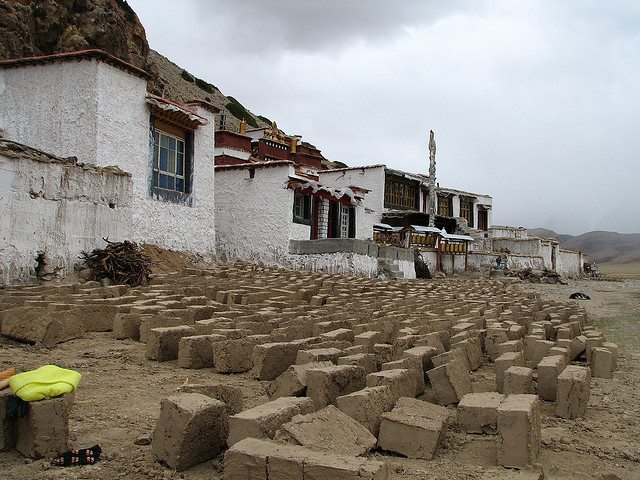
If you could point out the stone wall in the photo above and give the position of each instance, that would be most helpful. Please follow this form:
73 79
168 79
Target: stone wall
55 209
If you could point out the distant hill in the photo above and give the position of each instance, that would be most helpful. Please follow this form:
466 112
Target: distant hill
603 247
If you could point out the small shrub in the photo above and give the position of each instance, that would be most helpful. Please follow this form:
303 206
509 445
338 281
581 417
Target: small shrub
187 76
237 110
207 87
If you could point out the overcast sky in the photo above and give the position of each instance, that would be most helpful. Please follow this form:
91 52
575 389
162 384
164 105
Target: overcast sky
536 103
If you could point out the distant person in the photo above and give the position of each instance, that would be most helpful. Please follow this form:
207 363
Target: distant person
499 262
594 269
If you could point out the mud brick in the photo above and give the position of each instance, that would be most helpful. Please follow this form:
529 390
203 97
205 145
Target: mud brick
478 412
404 342
192 429
163 343
548 370
328 429
424 353
494 338
365 360
293 382
503 362
413 428
591 343
577 347
148 322
318 355
7 423
264 420
473 349
97 318
38 325
401 381
325 384
270 360
510 346
572 396
234 356
601 362
518 430
613 348
368 339
450 381
331 326
384 352
435 340
231 396
367 405
455 355
44 431
536 349
127 325
414 365
518 380
255 459
339 334
197 351
354 350
564 352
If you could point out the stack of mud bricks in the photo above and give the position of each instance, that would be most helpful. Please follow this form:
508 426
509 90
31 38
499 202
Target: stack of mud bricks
332 346
42 432
515 419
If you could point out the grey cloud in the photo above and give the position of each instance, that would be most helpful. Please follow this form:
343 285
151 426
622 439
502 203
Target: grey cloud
313 25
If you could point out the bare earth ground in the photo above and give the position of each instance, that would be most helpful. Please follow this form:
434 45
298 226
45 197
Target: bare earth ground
119 396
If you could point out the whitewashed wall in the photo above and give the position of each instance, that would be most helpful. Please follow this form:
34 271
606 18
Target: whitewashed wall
529 246
59 210
98 113
569 262
53 107
481 260
508 232
254 216
336 263
373 203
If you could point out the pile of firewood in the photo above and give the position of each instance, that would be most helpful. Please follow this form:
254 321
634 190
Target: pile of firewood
121 262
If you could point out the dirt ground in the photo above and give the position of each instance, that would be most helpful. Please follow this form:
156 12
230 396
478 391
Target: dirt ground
119 396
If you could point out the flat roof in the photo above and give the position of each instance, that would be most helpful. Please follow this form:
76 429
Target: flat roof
241 166
363 167
90 54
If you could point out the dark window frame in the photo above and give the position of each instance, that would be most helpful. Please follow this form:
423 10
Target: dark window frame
164 194
302 208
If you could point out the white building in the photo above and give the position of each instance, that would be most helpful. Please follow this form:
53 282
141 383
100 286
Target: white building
401 198
95 107
269 212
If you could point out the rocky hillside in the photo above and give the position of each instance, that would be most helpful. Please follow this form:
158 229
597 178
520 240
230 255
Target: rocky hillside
43 27
172 81
603 247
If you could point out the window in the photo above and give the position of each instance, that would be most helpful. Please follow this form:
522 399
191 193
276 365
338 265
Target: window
302 209
444 206
399 193
466 211
169 169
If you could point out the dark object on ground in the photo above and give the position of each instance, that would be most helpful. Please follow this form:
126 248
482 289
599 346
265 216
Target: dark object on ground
83 456
579 296
422 269
121 262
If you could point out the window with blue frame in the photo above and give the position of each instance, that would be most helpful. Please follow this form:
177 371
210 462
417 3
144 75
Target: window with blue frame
169 162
